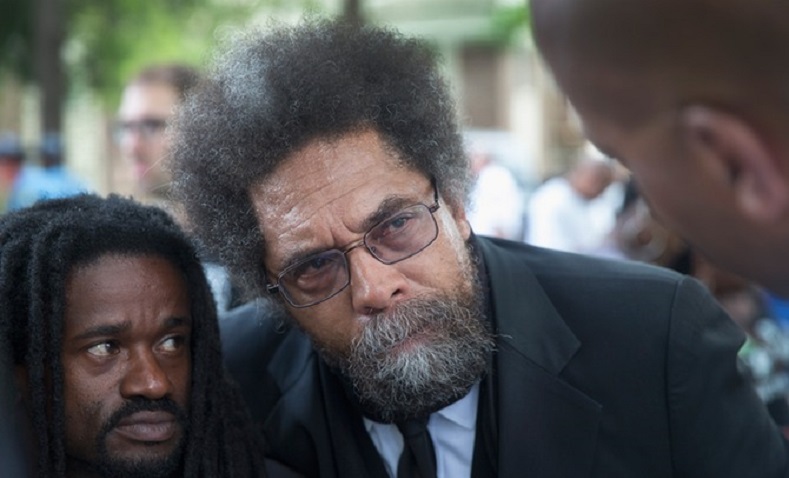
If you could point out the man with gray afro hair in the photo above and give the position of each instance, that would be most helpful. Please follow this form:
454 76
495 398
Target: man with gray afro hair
271 93
322 162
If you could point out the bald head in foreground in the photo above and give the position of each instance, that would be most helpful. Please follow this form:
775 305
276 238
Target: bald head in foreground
692 96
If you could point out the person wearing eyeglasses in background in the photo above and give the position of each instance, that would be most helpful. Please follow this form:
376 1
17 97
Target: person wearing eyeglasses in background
147 104
322 162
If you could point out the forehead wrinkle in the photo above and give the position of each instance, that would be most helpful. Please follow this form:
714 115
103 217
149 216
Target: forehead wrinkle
334 221
299 211
177 321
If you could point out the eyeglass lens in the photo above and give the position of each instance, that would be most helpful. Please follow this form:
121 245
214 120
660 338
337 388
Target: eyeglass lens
146 128
322 276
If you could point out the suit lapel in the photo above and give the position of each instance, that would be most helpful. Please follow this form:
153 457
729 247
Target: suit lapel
315 428
546 428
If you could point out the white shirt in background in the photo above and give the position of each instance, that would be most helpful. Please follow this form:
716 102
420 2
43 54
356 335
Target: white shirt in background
496 204
559 218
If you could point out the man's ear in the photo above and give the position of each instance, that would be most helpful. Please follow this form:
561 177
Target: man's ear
760 188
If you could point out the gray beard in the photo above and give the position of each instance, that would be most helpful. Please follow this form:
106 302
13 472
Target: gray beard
395 381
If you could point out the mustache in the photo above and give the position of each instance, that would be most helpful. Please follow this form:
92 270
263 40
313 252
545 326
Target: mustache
387 329
396 325
139 404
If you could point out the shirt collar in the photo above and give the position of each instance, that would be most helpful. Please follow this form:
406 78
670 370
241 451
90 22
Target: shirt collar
464 411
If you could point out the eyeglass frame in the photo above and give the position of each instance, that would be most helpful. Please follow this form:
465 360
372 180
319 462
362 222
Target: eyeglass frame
277 288
146 128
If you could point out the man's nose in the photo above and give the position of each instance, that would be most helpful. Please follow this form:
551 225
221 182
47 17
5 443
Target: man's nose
145 377
133 144
375 286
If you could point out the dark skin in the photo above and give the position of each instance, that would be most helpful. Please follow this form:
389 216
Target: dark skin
126 337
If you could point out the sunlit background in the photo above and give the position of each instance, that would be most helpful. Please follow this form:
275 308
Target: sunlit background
63 64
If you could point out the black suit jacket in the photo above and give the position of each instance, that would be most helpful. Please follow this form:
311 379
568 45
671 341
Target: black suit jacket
602 369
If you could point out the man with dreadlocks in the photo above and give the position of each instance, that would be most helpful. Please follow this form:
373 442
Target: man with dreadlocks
114 339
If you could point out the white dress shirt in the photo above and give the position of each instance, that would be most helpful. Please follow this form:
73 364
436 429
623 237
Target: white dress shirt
452 430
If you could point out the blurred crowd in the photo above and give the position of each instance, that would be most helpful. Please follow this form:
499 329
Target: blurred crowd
23 181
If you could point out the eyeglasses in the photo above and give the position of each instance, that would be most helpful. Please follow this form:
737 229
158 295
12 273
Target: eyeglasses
322 276
146 128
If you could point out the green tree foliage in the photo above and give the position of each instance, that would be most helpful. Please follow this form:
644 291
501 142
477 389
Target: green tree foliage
16 37
107 41
510 22
110 40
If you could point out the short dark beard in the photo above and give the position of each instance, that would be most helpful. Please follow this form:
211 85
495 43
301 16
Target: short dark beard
110 467
392 386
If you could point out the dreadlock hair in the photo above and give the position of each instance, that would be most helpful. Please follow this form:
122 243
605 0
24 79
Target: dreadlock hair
39 247
273 91
11 452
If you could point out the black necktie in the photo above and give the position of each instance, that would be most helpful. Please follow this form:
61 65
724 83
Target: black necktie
418 459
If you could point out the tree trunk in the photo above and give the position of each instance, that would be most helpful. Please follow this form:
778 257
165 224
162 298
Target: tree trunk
48 67
352 11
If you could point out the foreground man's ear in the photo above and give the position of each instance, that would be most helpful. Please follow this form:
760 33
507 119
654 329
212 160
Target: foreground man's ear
760 188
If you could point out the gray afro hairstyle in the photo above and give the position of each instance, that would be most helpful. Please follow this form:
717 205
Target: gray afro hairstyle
270 92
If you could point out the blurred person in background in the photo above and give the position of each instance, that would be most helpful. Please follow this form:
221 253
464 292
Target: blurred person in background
496 207
12 156
51 179
636 235
570 212
64 183
147 104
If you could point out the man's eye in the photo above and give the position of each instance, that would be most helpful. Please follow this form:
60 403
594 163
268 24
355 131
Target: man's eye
104 349
394 225
316 273
173 344
316 265
398 222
